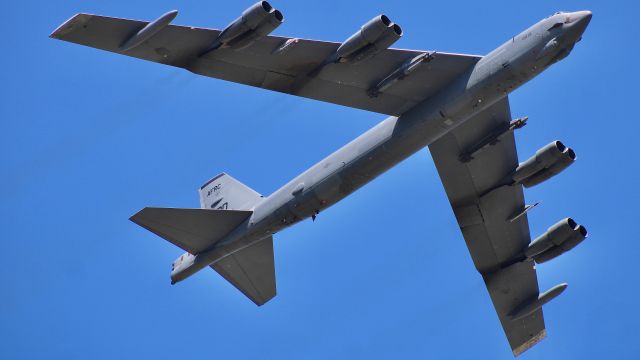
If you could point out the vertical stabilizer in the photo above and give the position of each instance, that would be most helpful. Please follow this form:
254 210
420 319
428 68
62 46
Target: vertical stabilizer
223 192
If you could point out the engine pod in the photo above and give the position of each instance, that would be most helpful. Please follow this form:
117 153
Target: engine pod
555 235
376 35
269 23
257 21
550 160
556 251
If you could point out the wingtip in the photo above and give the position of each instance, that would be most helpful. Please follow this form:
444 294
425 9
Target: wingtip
69 25
530 343
136 217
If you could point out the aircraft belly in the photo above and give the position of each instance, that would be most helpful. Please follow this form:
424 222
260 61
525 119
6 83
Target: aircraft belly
374 152
305 204
329 191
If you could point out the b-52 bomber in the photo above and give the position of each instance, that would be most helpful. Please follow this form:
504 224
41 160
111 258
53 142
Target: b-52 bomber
455 104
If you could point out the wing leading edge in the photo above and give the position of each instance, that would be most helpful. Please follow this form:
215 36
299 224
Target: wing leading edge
289 65
491 217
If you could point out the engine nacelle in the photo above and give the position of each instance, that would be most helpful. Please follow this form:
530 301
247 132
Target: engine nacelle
257 21
376 35
547 162
558 239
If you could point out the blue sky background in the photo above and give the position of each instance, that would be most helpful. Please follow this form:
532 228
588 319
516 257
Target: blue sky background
87 138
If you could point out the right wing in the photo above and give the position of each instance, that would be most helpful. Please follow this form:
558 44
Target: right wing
490 215
295 71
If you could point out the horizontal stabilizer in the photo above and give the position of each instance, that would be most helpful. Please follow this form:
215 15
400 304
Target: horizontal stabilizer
193 230
251 270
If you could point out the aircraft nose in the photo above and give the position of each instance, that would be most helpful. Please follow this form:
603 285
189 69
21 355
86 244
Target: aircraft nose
584 17
579 24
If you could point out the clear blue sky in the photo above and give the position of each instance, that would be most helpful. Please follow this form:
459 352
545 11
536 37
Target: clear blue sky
87 138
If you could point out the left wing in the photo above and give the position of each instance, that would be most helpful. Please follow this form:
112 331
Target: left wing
491 215
295 69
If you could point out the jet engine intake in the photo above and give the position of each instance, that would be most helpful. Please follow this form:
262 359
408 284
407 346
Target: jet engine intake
376 35
558 239
257 21
547 162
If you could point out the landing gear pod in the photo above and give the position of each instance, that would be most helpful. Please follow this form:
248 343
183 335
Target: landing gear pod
531 305
148 31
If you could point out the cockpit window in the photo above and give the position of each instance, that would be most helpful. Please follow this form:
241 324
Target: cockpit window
555 26
555 13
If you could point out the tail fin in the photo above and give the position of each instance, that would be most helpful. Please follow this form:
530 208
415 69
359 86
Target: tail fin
223 192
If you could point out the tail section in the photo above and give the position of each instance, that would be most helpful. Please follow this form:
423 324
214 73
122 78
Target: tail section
251 269
225 204
223 192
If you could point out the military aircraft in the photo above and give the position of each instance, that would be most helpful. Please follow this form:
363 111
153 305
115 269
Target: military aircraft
455 104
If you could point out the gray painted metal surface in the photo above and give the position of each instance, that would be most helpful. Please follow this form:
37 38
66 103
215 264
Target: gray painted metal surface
454 103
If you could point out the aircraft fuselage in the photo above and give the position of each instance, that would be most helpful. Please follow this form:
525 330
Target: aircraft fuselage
497 74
